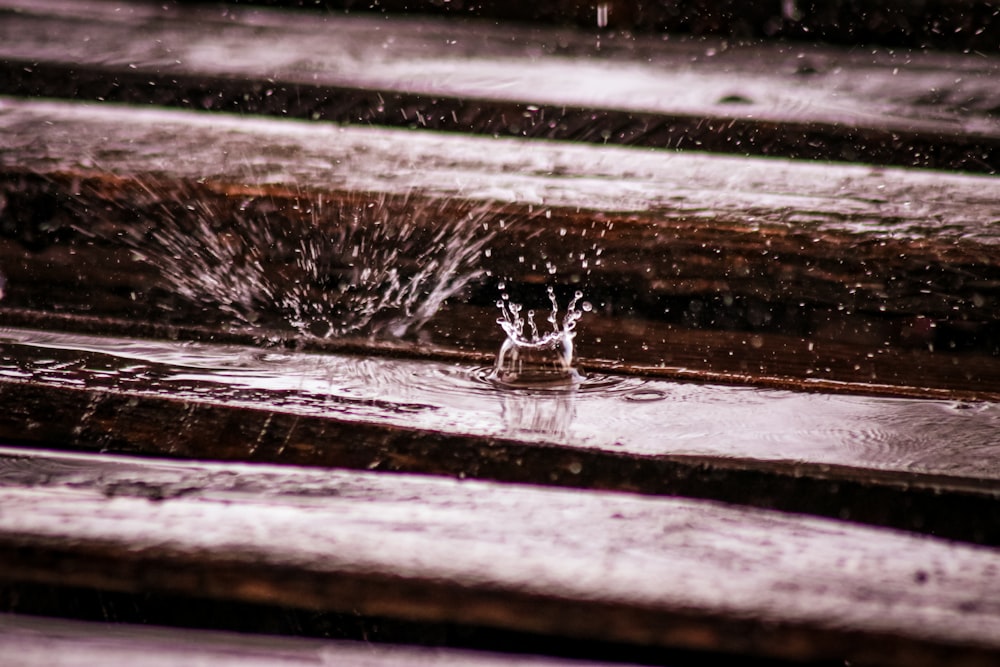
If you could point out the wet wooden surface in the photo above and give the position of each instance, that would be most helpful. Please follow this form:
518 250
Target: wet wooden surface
45 642
755 270
923 466
883 107
655 571
839 274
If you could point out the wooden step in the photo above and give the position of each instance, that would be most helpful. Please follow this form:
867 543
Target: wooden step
664 572
884 107
925 466
818 287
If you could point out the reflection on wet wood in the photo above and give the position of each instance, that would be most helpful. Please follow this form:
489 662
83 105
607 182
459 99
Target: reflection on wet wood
854 278
467 334
913 109
666 572
946 487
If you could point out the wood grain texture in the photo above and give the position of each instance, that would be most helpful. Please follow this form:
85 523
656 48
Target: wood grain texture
50 642
657 571
903 108
248 153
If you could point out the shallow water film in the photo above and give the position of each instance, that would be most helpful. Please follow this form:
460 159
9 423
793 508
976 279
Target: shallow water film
609 412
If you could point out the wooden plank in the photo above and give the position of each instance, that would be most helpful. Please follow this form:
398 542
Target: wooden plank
955 24
50 642
843 274
665 572
467 335
809 102
251 153
926 466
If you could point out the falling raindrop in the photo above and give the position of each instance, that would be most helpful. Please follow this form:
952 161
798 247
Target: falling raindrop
603 9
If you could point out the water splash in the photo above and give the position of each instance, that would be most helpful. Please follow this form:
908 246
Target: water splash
534 358
323 265
399 272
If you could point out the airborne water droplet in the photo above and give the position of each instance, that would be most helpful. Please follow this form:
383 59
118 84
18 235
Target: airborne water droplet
365 265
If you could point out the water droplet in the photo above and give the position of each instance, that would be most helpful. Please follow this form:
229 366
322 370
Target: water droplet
342 267
533 357
602 14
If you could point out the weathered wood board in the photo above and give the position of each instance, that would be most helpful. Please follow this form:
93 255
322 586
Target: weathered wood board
665 572
926 466
752 268
885 107
50 642
252 152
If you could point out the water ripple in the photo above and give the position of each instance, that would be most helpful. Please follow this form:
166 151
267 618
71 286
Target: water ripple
641 416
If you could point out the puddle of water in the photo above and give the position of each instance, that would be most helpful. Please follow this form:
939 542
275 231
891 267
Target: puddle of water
646 417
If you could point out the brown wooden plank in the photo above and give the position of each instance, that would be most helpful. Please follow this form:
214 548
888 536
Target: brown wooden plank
926 466
833 273
46 642
666 572
888 108
253 153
